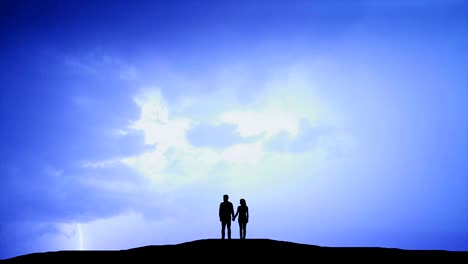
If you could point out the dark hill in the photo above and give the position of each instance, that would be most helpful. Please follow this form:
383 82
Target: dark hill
249 250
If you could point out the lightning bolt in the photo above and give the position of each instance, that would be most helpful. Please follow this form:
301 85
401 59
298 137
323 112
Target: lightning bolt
80 236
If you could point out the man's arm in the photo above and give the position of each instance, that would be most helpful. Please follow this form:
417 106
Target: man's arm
232 210
236 214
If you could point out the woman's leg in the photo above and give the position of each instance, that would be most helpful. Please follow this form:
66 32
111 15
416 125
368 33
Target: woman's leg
244 227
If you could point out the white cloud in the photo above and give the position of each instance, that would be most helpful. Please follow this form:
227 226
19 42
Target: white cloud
100 164
242 154
173 162
150 164
155 123
98 63
111 184
253 123
120 132
159 130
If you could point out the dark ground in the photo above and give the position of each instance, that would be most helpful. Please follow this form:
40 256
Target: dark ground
249 250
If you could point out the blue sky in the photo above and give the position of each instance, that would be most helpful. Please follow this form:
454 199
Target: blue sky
342 123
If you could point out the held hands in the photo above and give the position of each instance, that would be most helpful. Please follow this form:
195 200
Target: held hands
234 219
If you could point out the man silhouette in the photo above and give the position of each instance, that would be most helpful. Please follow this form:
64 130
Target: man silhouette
226 212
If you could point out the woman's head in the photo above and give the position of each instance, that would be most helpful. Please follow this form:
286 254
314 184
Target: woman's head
242 201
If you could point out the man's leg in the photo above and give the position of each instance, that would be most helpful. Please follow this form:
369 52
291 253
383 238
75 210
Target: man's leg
223 228
229 229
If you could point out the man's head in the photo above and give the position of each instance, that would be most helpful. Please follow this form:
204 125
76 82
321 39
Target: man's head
225 197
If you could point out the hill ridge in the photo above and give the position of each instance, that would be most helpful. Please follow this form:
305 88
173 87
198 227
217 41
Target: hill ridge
211 250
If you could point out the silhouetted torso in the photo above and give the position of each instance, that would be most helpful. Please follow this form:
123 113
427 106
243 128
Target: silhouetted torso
242 210
226 211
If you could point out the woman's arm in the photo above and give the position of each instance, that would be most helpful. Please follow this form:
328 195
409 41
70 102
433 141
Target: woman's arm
234 217
247 213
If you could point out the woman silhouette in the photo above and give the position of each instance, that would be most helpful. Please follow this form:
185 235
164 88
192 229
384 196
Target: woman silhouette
243 212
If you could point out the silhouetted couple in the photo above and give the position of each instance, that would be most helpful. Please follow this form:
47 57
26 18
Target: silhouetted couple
226 212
